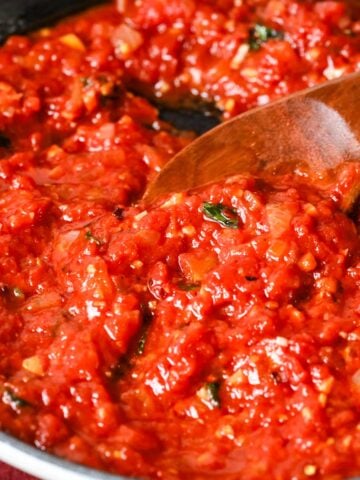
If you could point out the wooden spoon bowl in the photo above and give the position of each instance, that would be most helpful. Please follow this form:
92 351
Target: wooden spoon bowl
316 129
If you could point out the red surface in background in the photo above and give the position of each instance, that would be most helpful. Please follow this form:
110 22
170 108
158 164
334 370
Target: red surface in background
9 473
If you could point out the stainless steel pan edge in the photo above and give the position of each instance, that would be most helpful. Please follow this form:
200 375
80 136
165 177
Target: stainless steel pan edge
19 16
45 466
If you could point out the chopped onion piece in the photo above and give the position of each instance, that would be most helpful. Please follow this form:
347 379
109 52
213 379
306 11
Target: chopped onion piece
356 379
121 5
279 219
126 40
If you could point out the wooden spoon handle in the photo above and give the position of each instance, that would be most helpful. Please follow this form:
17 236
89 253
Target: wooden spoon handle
317 128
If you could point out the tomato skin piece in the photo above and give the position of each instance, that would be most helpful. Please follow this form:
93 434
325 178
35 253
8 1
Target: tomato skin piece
123 322
195 265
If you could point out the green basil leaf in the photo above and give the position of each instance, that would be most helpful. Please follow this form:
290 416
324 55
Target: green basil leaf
188 287
260 34
141 344
10 398
213 389
89 236
222 214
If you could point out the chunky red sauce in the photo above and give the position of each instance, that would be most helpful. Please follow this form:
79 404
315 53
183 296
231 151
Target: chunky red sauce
216 334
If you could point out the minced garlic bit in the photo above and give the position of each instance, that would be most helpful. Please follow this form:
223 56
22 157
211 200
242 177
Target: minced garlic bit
326 385
189 230
229 105
282 341
126 40
346 441
175 199
226 431
331 72
240 56
33 365
328 284
249 72
307 262
272 305
162 86
44 32
306 414
310 209
322 399
136 264
310 470
53 151
73 41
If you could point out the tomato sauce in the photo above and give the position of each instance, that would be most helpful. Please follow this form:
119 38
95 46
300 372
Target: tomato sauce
215 334
241 54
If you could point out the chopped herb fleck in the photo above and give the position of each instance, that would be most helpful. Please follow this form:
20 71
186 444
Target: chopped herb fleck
222 214
119 370
276 376
4 141
109 92
102 79
67 314
18 293
350 32
89 236
250 278
141 345
118 213
213 389
86 81
147 316
10 398
4 289
260 34
13 295
188 287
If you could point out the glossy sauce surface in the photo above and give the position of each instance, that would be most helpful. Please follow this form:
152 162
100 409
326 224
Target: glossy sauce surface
215 334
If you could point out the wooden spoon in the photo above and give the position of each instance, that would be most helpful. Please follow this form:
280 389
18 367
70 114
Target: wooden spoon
316 129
